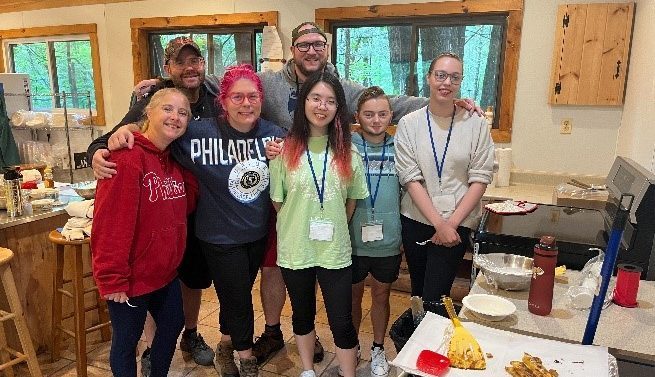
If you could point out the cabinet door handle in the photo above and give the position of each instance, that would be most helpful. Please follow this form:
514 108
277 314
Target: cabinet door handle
618 69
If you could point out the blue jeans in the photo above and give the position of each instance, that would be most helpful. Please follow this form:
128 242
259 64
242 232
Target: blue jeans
165 306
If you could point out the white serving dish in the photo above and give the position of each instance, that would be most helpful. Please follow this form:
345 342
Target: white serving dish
489 307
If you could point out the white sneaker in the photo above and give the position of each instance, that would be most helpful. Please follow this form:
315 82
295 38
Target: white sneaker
308 373
379 365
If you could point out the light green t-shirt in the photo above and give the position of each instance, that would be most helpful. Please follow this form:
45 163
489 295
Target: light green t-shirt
300 204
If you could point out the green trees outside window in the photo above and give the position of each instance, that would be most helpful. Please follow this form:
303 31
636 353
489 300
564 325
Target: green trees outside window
55 66
397 55
219 48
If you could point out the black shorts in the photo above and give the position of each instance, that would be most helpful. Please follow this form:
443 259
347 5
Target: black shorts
193 271
383 269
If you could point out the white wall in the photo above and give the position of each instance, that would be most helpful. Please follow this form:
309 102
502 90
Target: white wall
536 142
637 133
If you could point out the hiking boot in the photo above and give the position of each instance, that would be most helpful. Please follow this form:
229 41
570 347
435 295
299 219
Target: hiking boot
379 364
146 364
266 345
319 353
249 367
225 360
194 344
308 373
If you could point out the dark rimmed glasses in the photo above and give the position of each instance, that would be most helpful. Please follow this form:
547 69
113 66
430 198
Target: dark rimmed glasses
455 78
304 46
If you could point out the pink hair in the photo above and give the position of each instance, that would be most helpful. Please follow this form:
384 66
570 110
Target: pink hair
232 75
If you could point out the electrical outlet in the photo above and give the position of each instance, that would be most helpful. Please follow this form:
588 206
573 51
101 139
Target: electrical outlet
566 126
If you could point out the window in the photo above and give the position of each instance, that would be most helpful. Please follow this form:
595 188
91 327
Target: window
385 55
392 46
55 66
224 40
227 47
58 59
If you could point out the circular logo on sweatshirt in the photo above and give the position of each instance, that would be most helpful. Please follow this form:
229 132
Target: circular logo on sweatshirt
248 179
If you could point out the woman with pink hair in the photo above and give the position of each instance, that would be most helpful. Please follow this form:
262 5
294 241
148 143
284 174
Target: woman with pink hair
227 155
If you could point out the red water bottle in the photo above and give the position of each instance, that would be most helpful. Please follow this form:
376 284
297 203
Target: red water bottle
540 301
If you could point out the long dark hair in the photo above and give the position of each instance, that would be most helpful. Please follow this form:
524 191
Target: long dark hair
338 129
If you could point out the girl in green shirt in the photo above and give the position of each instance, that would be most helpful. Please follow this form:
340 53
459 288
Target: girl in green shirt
314 188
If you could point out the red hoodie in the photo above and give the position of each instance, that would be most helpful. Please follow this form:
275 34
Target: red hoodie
139 221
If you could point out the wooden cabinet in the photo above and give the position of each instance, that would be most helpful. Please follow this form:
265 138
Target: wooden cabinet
590 58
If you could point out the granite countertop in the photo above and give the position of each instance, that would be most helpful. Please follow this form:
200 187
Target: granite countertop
619 328
66 195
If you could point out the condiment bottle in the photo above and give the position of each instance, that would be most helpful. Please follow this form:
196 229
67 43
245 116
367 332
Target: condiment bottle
13 193
540 300
48 178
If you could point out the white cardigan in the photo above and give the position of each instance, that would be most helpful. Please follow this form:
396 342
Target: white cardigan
470 158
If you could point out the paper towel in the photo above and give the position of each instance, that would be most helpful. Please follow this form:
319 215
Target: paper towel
504 157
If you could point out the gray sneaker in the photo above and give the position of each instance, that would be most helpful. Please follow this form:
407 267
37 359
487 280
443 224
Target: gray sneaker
145 365
195 345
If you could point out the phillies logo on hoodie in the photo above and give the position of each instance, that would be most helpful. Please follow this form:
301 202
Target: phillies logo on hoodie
163 188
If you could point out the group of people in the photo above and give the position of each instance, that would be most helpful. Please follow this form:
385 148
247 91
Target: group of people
272 180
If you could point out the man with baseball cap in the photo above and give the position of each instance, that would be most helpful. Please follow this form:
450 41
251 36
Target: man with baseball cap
184 64
309 49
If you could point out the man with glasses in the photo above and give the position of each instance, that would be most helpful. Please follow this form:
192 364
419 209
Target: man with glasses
184 64
310 52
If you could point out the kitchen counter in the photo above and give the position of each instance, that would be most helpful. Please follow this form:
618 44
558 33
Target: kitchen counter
27 237
522 191
628 332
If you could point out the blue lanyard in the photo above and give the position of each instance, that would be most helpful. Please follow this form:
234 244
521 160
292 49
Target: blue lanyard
374 195
445 150
321 191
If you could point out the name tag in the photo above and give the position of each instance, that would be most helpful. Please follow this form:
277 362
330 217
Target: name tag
321 230
372 231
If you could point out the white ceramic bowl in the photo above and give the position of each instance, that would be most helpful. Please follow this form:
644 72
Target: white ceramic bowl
489 307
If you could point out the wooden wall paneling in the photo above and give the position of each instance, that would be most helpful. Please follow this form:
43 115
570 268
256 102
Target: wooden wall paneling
9 6
614 62
32 270
592 51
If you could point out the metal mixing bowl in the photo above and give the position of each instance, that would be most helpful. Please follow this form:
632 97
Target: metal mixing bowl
87 190
505 271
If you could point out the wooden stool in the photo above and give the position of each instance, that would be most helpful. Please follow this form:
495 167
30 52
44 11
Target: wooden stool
79 309
16 315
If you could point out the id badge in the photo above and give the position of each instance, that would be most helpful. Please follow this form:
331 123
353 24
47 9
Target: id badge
444 203
372 231
321 230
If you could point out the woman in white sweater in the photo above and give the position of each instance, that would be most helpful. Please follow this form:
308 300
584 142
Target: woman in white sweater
444 159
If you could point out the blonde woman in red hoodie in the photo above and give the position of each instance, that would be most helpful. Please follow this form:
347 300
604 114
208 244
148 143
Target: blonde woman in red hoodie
139 236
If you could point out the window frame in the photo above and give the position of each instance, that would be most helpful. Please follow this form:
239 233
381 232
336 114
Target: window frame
142 27
513 9
63 33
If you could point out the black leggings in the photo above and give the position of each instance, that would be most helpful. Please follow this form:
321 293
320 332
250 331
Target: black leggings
234 269
165 305
432 268
336 286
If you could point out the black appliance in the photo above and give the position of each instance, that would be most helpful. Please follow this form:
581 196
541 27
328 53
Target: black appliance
577 230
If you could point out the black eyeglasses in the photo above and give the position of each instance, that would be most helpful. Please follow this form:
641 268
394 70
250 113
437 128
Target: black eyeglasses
455 78
304 46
